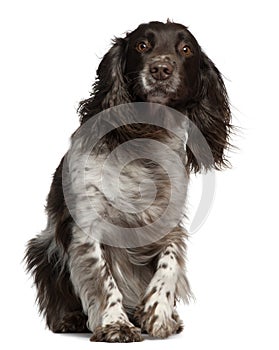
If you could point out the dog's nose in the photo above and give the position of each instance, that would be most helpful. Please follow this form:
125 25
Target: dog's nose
161 70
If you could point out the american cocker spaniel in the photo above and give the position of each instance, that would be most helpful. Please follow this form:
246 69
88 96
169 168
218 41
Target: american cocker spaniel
90 277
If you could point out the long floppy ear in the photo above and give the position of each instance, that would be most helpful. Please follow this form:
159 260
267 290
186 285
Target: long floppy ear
110 87
211 116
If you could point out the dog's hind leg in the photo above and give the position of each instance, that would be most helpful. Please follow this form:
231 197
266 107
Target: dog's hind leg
55 294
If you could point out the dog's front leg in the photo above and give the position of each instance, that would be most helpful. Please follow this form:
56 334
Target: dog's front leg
99 294
156 313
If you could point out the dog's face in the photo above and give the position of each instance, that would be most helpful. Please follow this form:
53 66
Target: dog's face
162 63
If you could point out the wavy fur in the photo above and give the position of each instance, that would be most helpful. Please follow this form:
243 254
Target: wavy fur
83 284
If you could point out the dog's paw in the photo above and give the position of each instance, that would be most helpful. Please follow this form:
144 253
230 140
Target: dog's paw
118 332
72 322
158 320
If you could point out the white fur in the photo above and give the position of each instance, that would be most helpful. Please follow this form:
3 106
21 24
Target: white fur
164 281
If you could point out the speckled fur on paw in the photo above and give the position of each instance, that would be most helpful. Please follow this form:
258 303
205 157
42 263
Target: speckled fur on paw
118 332
157 326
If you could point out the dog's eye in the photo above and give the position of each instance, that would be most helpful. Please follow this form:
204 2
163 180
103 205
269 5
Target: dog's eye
142 46
186 51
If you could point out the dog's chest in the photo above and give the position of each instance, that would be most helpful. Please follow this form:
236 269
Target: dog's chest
130 188
122 193
135 180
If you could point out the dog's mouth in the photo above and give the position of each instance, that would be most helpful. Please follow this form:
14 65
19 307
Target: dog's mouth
163 92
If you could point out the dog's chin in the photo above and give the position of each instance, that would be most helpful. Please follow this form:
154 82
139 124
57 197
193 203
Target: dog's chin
161 97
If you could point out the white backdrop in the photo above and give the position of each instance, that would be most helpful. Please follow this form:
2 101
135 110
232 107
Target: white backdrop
49 53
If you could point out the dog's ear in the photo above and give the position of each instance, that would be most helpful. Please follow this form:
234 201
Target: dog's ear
211 116
110 87
110 79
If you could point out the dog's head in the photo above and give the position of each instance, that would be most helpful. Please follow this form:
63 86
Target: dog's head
163 63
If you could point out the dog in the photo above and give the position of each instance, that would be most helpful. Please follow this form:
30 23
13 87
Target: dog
117 291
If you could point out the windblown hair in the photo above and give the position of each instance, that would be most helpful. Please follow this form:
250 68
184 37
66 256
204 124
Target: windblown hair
110 290
110 87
